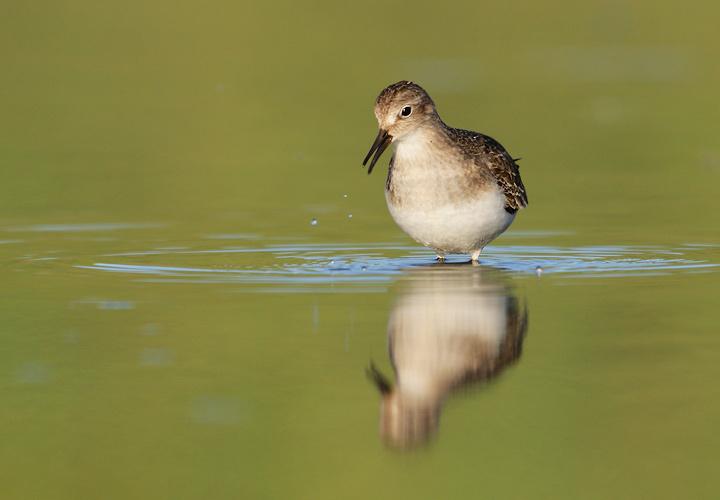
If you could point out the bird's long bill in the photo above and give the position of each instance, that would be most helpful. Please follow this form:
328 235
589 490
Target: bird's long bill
382 141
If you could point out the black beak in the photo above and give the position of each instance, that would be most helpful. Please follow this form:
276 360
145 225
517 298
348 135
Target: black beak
382 141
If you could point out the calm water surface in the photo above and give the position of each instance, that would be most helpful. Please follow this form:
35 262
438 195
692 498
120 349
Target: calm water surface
174 325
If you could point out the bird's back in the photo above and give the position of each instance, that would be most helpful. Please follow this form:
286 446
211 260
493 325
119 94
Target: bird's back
488 153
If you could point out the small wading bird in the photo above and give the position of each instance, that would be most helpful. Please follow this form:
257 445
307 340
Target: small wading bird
452 190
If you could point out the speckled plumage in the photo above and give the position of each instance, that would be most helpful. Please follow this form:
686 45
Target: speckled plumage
452 190
487 151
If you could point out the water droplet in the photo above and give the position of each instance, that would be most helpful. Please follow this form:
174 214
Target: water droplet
344 196
313 222
538 270
350 216
364 268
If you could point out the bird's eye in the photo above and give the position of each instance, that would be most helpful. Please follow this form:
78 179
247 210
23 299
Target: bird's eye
406 111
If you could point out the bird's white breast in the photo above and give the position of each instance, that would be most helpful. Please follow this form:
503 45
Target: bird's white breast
436 206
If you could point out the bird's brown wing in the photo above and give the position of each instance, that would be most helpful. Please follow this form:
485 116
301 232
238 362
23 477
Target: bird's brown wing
487 152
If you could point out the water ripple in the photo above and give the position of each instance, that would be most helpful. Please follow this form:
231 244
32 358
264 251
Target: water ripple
377 266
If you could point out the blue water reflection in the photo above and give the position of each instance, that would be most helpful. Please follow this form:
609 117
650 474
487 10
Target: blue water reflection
300 265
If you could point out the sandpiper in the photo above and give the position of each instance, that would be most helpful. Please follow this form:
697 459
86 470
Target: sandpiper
452 190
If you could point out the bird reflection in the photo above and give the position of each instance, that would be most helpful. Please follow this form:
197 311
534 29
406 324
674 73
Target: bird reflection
452 327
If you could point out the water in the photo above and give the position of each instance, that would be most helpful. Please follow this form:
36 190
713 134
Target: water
203 295
254 359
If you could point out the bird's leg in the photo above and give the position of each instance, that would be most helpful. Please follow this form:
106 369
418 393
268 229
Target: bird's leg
475 255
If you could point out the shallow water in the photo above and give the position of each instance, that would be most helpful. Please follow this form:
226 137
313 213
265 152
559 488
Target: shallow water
204 296
235 362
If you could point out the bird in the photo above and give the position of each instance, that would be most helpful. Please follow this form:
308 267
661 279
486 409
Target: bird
449 189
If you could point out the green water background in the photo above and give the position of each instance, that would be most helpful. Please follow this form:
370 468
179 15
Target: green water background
154 129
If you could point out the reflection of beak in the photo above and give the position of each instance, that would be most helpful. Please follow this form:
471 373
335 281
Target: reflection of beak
382 141
381 381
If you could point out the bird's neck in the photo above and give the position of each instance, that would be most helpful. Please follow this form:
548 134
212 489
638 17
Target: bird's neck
424 146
